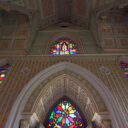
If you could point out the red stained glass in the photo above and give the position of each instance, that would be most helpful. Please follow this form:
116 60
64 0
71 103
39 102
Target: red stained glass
65 115
3 71
124 67
64 47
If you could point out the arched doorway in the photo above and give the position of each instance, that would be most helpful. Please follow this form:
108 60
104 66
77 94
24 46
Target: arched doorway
40 88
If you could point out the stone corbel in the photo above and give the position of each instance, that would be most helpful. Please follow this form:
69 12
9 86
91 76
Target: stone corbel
89 126
102 120
106 123
30 121
24 123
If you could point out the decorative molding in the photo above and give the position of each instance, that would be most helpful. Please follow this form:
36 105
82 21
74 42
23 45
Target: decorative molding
105 70
102 119
25 71
4 61
116 115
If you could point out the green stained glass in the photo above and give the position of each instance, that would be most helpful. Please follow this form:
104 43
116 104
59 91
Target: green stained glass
65 115
59 119
63 47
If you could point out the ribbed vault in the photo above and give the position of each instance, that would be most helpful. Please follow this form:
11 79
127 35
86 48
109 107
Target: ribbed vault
54 11
64 83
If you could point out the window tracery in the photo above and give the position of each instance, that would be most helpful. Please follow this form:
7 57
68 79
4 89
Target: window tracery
65 115
64 47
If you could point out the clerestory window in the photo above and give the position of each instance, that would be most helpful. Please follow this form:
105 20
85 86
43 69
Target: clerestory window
64 47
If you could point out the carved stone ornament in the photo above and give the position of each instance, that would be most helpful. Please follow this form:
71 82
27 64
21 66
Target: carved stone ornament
104 70
24 124
25 70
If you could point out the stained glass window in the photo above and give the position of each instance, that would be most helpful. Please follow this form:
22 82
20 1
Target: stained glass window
64 47
65 115
124 67
3 71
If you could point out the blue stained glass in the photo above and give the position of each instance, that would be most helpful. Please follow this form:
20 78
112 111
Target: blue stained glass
55 109
124 67
64 47
60 124
72 115
67 121
65 116
66 106
3 71
58 111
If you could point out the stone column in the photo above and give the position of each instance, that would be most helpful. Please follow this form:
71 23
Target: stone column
106 123
25 123
102 120
89 126
41 126
30 121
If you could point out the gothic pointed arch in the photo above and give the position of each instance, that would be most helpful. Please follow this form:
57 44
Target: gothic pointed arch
44 76
62 35
63 83
63 44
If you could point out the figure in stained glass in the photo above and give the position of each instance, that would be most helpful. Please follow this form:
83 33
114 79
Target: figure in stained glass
64 47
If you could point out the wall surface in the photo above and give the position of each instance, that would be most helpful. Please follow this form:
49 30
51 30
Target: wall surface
23 69
83 38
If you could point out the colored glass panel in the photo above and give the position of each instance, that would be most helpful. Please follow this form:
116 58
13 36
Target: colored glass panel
65 115
124 67
3 71
64 47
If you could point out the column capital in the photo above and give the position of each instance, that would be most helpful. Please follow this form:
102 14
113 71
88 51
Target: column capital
102 119
24 123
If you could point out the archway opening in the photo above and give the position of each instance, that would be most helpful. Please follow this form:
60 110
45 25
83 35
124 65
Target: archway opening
34 91
65 114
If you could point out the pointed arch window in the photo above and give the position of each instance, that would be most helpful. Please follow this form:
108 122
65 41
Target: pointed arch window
3 71
124 67
64 47
65 115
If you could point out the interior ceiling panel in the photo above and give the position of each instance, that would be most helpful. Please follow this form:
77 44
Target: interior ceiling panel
64 9
55 11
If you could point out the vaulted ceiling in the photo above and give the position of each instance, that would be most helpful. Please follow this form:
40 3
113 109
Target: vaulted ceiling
54 11
105 20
